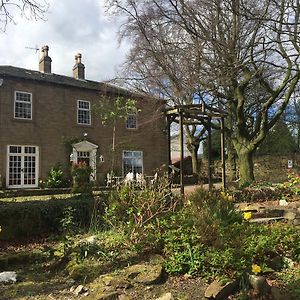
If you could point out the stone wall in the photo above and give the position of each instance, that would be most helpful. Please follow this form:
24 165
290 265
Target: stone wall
266 167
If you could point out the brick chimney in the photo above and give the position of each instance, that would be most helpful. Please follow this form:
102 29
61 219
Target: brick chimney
45 61
78 69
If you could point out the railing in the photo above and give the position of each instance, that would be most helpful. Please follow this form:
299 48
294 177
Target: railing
130 179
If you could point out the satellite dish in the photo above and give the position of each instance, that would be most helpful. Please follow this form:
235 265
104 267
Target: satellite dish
1 81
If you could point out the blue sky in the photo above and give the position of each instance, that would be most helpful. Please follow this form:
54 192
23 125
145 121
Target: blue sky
71 26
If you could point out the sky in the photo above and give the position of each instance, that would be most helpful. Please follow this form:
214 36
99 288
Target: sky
71 27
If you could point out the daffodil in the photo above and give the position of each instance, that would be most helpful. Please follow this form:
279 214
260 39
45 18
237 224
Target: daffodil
230 198
256 269
247 215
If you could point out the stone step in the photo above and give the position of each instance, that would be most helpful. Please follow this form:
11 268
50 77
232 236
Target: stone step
267 220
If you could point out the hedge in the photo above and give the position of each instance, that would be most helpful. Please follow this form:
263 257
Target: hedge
32 218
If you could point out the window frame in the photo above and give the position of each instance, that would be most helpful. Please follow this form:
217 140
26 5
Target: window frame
132 157
15 102
132 115
84 109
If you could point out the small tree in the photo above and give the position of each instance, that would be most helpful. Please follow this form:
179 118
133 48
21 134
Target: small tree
110 111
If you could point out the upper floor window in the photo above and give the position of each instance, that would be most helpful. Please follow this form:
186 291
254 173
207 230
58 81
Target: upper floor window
23 105
131 119
83 112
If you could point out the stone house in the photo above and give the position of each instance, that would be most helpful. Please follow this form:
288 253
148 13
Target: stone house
48 120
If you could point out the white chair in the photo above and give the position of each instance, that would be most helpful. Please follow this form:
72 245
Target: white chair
109 180
129 178
155 177
140 180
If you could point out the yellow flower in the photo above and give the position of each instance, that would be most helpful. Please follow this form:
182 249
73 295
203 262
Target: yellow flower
230 198
256 269
247 215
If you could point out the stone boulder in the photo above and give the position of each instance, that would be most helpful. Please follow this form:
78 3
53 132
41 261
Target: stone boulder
219 291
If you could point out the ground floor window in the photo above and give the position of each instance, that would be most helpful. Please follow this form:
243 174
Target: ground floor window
22 166
132 162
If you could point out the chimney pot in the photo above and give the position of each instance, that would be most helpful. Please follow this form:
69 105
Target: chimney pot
45 61
78 69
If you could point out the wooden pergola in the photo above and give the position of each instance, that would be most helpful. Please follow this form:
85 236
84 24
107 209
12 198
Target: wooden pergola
196 114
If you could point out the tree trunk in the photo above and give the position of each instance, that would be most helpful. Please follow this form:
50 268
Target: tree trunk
194 154
193 149
231 161
245 163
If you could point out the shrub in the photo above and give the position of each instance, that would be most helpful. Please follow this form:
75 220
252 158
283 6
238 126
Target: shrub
139 212
32 218
81 173
56 178
231 252
210 239
212 210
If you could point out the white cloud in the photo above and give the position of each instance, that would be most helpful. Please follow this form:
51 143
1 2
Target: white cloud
71 27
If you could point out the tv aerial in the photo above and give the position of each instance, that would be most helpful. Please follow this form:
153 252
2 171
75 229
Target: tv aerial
36 48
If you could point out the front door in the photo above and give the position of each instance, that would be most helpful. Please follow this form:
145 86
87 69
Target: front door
85 152
22 166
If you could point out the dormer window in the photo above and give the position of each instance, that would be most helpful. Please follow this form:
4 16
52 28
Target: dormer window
131 119
83 112
23 105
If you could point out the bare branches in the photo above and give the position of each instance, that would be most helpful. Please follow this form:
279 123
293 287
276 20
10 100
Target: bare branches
30 9
243 53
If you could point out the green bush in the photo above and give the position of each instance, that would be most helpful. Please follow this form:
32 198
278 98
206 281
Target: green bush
208 238
56 178
32 218
81 173
212 210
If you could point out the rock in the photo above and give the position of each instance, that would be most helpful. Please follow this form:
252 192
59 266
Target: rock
91 239
8 276
266 220
296 222
275 263
283 202
72 288
274 213
217 291
110 296
289 263
80 290
145 273
259 284
289 215
70 282
124 297
277 295
167 296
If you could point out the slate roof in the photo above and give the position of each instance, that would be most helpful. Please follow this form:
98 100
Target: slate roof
15 72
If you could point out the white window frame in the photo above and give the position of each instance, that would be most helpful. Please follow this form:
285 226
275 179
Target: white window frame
132 113
20 101
132 151
22 154
84 109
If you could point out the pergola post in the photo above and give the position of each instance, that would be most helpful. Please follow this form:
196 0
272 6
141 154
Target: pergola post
181 152
223 153
210 184
169 144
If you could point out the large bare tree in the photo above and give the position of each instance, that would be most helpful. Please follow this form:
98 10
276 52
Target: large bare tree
30 9
242 53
